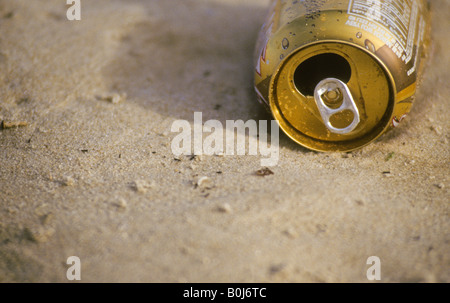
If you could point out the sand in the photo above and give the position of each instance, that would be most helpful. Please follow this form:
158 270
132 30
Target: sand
88 170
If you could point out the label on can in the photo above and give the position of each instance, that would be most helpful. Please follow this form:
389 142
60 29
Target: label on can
394 22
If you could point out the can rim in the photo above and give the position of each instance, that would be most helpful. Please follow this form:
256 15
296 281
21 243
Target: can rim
334 146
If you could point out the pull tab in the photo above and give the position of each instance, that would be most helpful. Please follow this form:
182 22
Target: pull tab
333 91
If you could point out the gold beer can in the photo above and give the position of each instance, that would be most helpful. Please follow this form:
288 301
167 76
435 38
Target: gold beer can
337 74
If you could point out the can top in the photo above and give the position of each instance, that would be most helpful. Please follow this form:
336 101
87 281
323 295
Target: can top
332 96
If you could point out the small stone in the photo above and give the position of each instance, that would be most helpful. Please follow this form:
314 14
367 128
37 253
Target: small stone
225 208
114 98
321 228
359 202
41 210
291 233
437 129
46 219
440 185
278 269
68 181
204 183
121 204
264 172
39 235
142 186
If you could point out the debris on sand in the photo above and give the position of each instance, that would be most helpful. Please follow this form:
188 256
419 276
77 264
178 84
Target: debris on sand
278 269
347 155
38 235
204 183
121 204
290 233
142 186
46 219
68 181
264 172
437 129
12 124
389 156
387 174
114 98
225 208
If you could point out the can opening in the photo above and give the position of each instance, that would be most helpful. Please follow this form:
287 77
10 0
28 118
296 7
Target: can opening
313 70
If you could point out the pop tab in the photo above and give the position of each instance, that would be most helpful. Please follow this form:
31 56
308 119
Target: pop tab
330 92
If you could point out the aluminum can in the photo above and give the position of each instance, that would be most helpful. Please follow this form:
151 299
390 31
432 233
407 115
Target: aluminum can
338 74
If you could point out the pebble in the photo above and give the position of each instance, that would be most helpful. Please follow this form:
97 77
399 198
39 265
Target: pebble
113 98
278 269
264 172
437 130
41 210
204 183
122 203
225 208
291 233
38 235
142 186
46 219
68 181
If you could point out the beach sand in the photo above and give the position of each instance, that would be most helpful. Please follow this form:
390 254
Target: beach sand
89 170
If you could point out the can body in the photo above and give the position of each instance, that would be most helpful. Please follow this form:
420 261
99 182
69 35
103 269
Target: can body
337 74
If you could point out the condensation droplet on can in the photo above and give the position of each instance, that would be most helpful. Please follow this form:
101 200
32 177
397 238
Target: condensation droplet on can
369 45
358 35
285 43
281 56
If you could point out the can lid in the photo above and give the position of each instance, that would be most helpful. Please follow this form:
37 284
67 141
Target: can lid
332 96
